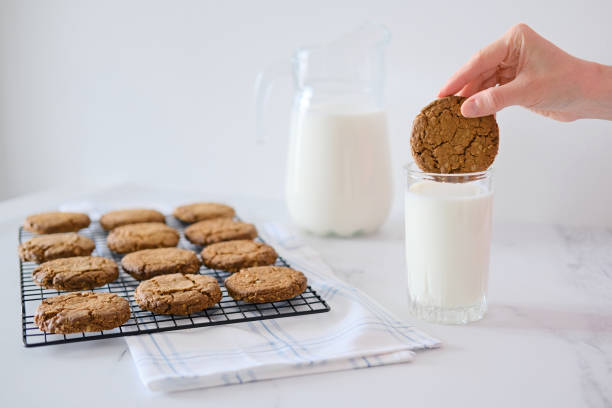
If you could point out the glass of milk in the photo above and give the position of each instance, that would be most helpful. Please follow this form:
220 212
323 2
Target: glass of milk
448 240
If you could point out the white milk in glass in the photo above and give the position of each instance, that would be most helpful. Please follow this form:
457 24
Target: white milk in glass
338 171
448 235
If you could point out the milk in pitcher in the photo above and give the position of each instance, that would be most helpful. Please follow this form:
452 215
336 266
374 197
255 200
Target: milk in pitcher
338 171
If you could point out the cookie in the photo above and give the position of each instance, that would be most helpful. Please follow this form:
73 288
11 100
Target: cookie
178 294
232 256
146 235
148 263
53 246
261 284
75 273
81 312
203 211
217 230
444 141
114 219
53 222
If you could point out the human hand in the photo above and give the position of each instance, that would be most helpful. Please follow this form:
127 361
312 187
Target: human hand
534 73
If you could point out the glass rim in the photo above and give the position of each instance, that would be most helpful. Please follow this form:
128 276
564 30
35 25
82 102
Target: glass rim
411 168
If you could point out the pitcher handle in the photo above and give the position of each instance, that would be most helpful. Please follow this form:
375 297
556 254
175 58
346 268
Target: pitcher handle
263 84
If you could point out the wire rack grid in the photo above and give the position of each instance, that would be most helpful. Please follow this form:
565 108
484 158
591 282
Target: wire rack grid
227 311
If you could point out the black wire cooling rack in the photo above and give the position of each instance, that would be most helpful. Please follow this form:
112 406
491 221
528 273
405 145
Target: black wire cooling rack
227 311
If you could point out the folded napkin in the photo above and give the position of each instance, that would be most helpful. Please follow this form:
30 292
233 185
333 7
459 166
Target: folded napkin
356 333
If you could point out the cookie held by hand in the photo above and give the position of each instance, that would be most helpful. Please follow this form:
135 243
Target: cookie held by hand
444 141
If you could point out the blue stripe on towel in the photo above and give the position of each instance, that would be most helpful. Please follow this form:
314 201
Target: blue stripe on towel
279 339
329 339
164 356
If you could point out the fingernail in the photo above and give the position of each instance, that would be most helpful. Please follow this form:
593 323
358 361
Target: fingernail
470 108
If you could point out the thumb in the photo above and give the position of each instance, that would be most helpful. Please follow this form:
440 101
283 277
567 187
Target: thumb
492 100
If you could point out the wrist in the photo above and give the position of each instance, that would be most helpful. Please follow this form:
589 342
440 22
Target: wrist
596 89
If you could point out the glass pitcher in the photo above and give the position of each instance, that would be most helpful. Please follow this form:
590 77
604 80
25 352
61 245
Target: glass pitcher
338 179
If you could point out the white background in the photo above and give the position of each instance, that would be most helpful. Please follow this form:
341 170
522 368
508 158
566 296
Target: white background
161 93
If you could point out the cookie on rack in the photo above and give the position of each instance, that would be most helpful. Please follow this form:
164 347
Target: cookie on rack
146 235
217 230
53 246
178 294
75 273
261 284
234 255
117 218
148 263
195 212
81 312
56 221
444 141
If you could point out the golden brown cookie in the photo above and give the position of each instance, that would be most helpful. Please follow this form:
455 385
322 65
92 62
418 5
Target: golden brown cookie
75 273
203 211
444 141
178 294
261 284
52 222
114 219
148 263
232 256
81 312
53 246
146 235
217 230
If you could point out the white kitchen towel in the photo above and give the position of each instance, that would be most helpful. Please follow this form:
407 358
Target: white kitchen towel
356 333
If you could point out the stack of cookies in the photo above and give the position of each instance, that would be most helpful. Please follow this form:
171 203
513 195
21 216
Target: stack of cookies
170 278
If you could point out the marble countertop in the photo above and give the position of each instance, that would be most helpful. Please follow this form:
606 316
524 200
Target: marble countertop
546 341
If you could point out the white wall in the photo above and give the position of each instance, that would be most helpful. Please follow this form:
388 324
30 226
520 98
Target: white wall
160 92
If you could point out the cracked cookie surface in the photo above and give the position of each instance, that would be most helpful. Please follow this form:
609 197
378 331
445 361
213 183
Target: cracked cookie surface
146 235
75 273
217 230
178 294
444 141
117 218
261 284
54 246
81 312
232 256
203 211
148 263
56 221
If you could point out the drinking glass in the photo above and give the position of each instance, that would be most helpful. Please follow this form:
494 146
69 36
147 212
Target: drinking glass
448 239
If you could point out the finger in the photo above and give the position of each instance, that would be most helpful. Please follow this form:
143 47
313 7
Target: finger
493 99
478 85
464 91
484 60
488 83
471 88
